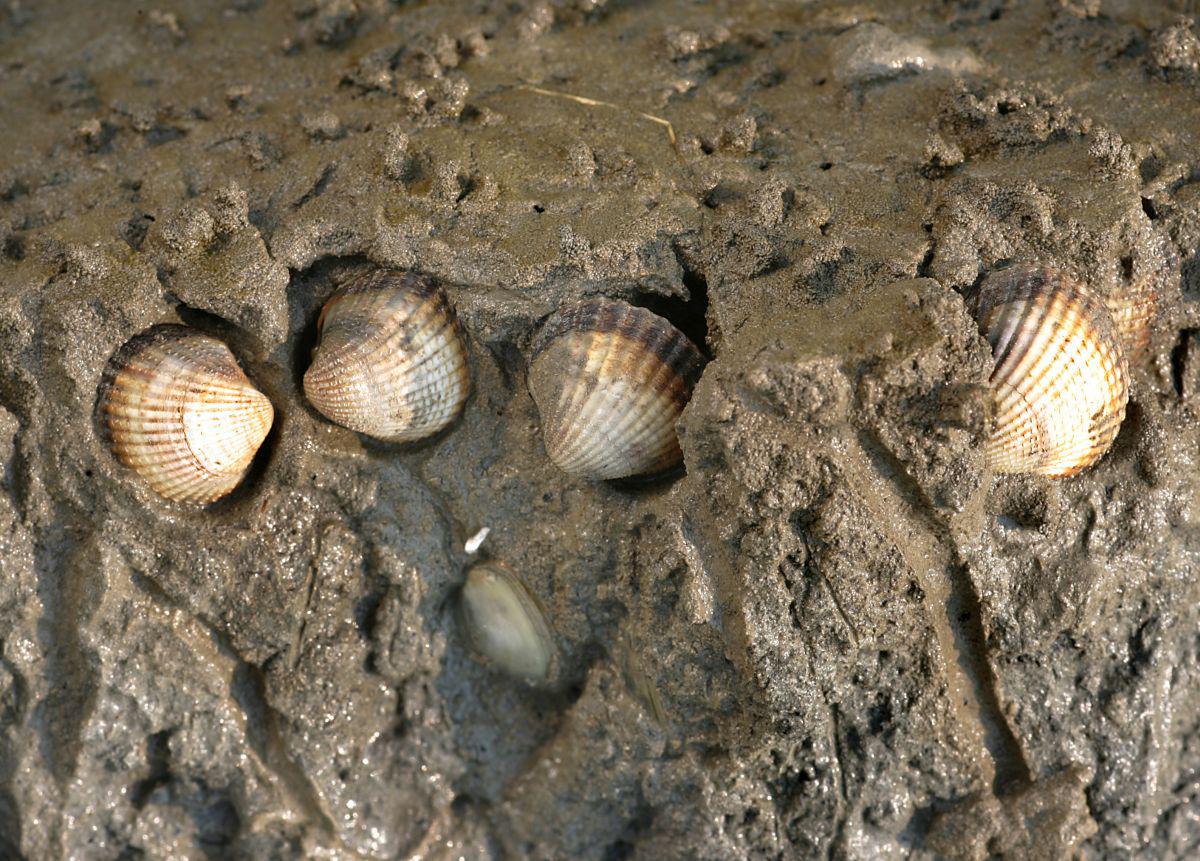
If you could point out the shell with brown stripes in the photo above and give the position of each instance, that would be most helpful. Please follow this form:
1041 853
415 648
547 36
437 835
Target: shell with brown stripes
391 362
178 410
610 381
1060 382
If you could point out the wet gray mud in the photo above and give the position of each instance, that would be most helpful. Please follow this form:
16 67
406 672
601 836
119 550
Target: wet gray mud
833 635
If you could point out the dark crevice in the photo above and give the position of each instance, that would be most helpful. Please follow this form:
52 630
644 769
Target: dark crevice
1184 357
13 247
926 261
161 134
158 758
688 315
318 187
1149 209
134 230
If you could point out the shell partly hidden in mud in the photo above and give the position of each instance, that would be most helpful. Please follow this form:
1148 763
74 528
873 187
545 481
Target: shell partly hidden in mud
610 381
1060 381
179 411
391 362
1137 302
504 622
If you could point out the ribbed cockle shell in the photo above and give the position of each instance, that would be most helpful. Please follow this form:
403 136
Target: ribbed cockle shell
179 411
391 362
1060 381
610 381
504 622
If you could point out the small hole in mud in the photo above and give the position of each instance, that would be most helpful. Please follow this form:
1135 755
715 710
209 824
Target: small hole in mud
1183 362
995 14
14 248
825 165
537 207
719 195
1127 268
819 82
1149 209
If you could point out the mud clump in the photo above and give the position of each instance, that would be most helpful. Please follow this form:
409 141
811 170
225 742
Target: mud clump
833 633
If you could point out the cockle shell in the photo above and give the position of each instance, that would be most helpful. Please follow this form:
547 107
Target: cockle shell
391 361
504 622
179 411
610 381
1060 381
1137 301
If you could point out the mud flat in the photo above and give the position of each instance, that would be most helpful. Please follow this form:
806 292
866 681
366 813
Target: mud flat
833 634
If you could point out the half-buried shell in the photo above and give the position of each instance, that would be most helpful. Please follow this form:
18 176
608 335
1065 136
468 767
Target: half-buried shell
610 381
1060 381
391 362
504 622
1138 300
179 411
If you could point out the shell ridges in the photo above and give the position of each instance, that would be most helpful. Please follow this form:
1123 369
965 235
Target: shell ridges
178 410
391 362
610 381
1060 381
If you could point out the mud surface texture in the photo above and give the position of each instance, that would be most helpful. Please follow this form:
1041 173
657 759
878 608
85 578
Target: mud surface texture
836 635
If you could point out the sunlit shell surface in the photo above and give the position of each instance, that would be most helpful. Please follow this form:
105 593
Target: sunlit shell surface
391 361
180 412
1060 380
504 622
610 381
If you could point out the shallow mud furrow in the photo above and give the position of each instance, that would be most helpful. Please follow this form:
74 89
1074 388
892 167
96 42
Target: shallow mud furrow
953 610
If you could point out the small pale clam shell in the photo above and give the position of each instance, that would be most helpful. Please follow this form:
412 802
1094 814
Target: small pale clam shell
179 411
1060 382
610 381
505 624
391 362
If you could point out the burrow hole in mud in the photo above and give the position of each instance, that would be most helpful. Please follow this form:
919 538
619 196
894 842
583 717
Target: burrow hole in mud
689 315
13 248
1185 358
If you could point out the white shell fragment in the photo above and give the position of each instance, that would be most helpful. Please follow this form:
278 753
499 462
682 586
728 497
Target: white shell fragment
391 362
610 381
504 622
179 411
476 540
1060 382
